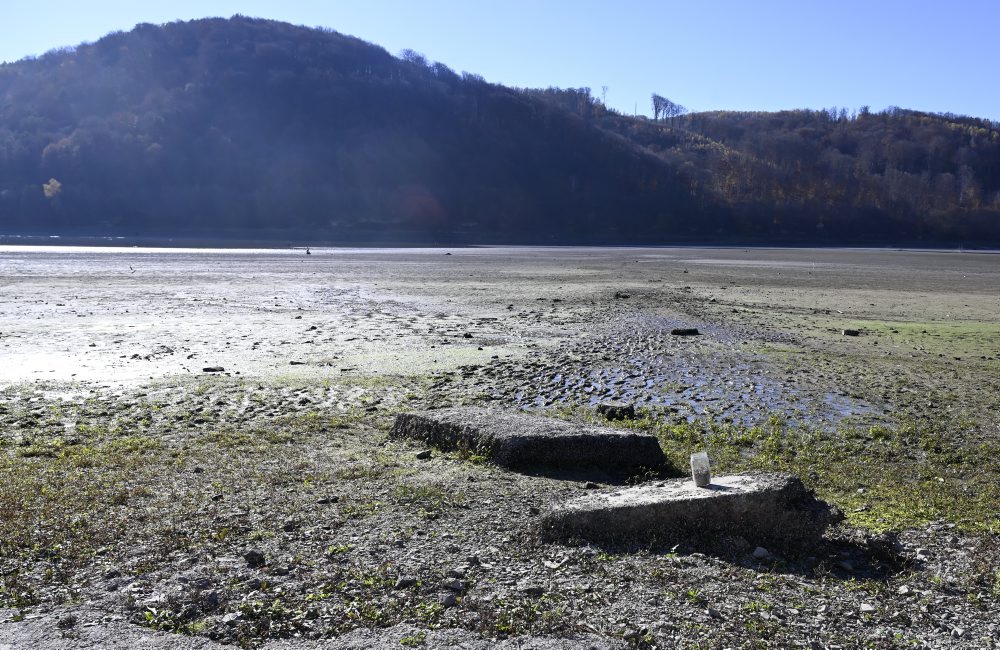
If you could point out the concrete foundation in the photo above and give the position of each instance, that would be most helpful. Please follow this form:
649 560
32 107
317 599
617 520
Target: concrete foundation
520 440
773 510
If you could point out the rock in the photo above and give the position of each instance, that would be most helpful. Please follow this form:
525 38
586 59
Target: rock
254 559
405 582
616 410
761 553
714 613
424 455
923 554
772 509
851 333
454 585
213 369
232 618
867 608
530 588
210 600
518 440
633 636
685 331
621 295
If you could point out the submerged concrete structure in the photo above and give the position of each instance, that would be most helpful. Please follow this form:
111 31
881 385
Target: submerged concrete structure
774 510
521 440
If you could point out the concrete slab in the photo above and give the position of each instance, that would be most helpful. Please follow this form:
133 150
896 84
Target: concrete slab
774 510
521 440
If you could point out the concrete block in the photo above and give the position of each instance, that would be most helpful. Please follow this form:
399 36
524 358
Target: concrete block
521 440
616 410
774 510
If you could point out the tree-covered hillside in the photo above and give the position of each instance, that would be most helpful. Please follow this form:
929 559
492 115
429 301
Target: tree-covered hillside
217 126
257 129
894 175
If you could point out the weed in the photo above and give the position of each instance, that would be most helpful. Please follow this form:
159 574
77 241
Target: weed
414 640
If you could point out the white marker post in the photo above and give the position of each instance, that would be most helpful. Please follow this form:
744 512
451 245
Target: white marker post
700 471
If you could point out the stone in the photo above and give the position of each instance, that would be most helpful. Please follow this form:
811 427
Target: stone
685 331
213 369
867 608
765 508
519 440
616 410
531 588
423 455
405 582
254 558
761 553
851 332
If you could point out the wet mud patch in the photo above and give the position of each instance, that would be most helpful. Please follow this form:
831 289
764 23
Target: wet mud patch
717 373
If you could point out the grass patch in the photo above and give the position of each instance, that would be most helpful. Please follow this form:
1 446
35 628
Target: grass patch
429 498
966 338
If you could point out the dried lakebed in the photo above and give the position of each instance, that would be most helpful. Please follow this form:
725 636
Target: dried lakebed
268 504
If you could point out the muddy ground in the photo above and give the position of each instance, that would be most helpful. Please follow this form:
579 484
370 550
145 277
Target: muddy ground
135 482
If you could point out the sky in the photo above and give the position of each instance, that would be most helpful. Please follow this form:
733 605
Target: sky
704 54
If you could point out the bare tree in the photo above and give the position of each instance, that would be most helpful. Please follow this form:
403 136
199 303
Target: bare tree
666 108
413 57
659 104
673 110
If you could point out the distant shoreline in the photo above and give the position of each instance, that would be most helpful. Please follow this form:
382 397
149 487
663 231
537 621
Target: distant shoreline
235 244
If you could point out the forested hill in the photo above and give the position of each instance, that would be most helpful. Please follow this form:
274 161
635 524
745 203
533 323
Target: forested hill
254 129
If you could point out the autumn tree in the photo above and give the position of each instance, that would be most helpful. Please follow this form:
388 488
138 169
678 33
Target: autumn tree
52 188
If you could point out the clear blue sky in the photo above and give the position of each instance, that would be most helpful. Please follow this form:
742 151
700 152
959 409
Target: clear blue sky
705 54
